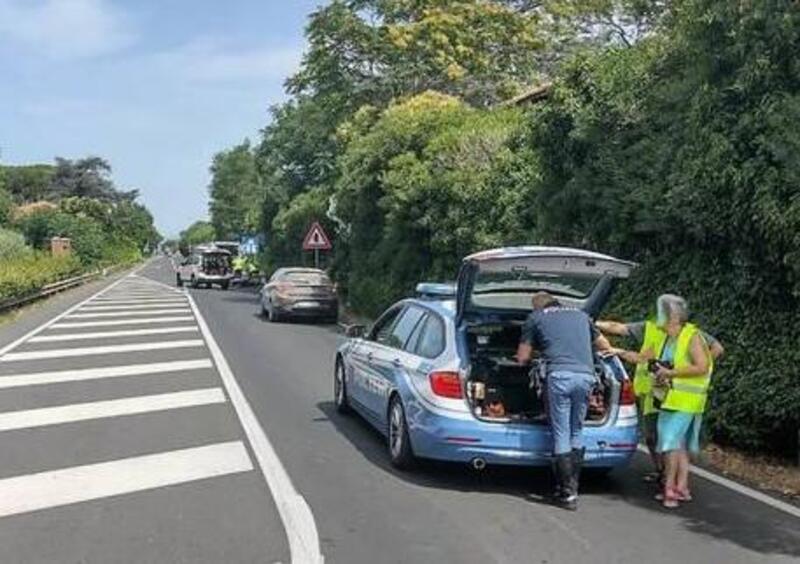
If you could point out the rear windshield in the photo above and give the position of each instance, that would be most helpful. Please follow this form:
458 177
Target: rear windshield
513 289
307 278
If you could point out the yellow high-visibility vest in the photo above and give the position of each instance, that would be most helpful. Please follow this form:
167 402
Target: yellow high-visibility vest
688 394
654 339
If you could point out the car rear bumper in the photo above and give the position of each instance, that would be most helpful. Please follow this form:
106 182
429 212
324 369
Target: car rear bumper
308 308
214 278
462 440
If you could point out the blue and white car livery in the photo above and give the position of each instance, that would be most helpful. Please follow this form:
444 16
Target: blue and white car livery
437 374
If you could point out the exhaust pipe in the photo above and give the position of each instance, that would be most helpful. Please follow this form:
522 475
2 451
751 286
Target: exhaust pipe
478 464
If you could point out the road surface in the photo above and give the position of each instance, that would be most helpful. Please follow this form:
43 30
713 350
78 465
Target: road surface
156 465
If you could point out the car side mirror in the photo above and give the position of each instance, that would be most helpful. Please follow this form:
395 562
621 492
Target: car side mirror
355 331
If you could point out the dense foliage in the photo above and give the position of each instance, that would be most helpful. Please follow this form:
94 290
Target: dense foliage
670 136
74 199
196 234
235 193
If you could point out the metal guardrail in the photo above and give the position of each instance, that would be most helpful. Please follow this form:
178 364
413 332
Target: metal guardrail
49 290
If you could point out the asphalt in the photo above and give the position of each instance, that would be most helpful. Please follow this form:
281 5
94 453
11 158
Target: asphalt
174 515
364 510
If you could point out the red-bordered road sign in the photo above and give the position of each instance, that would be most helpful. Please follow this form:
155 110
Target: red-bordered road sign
316 239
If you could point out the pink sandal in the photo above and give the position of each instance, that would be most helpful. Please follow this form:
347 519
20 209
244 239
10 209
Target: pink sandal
669 498
683 495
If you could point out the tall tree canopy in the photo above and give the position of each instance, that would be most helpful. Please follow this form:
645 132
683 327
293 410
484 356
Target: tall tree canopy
236 192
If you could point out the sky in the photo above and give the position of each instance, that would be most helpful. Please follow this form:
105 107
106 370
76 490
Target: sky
156 87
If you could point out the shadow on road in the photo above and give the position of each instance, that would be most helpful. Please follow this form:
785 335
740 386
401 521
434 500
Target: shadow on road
716 511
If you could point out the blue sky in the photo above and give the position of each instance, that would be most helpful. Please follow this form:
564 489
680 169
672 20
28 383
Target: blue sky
155 86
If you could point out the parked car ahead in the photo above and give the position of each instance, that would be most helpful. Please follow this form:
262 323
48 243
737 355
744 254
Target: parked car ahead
300 293
438 376
205 266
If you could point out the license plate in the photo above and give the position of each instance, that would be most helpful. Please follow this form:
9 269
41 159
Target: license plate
308 304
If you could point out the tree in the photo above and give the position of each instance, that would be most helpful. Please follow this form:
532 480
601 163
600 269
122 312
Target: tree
29 183
370 51
86 178
236 192
422 184
197 233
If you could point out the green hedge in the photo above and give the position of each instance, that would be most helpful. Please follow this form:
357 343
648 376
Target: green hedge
27 274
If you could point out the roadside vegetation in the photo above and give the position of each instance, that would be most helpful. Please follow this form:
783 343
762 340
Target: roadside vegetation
73 199
662 132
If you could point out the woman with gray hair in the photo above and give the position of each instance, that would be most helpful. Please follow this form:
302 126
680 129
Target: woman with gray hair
683 374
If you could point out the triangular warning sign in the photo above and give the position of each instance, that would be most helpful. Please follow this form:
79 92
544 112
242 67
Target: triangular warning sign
316 239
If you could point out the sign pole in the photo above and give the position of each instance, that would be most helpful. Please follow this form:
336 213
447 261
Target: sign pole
316 258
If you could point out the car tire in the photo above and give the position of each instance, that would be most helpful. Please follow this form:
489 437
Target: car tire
340 389
272 315
178 281
400 453
224 285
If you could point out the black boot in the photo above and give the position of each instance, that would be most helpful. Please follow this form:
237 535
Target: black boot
569 495
556 478
577 464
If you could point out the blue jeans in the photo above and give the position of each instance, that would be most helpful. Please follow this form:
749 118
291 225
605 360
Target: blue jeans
567 401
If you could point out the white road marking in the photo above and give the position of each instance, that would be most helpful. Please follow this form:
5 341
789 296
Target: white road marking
130 296
53 322
113 334
129 314
22 494
107 349
77 375
43 416
131 307
81 324
126 301
741 489
298 520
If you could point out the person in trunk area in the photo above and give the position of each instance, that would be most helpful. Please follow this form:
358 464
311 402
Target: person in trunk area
563 336
673 373
650 338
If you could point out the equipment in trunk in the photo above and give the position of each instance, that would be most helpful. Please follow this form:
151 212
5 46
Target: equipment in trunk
501 389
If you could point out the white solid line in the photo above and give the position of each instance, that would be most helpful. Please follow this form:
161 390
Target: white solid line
40 417
112 334
121 322
129 314
741 489
31 492
107 349
59 376
298 520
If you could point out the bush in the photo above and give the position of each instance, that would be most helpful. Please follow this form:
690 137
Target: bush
12 245
89 241
682 153
6 206
29 273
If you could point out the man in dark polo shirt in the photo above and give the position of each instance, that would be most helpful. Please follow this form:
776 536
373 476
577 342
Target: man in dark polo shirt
563 336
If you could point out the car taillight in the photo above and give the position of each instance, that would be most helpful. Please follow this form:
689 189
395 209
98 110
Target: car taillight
627 397
283 289
445 384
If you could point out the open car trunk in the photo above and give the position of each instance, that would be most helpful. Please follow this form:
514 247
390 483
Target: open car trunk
495 378
494 294
216 264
